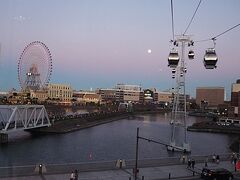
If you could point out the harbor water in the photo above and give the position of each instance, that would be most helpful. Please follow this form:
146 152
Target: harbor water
107 142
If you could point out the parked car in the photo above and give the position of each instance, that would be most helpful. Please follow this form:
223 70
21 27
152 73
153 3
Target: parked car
216 174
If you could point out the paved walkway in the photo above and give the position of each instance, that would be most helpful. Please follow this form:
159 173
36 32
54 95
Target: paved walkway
150 173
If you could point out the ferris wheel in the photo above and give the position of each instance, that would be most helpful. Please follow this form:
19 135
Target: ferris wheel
34 66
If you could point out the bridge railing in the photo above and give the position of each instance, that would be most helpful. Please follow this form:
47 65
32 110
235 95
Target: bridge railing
98 166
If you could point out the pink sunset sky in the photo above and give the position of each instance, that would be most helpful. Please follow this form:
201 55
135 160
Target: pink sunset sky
99 43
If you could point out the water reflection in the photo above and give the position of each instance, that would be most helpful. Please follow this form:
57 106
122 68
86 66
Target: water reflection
107 142
77 111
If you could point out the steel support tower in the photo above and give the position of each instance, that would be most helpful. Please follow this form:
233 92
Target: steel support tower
178 116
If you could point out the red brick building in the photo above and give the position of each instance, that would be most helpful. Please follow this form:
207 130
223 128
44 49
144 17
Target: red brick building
212 96
235 97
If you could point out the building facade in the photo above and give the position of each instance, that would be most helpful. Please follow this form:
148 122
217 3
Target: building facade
235 98
86 97
165 97
148 96
39 95
210 96
127 87
128 93
61 92
121 93
107 95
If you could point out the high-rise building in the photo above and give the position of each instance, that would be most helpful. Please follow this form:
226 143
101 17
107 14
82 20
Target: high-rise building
210 96
235 97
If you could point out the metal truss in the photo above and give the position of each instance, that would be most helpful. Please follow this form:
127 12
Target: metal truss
22 117
179 105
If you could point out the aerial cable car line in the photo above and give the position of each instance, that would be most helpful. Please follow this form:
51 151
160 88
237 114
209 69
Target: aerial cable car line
172 20
215 37
173 58
210 58
178 72
192 17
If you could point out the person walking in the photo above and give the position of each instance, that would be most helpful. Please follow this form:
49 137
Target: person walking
232 157
183 159
76 174
217 159
72 176
193 163
189 163
235 164
206 162
214 158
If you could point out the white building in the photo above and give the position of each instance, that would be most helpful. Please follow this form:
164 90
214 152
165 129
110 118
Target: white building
128 87
40 95
164 97
62 92
128 93
84 97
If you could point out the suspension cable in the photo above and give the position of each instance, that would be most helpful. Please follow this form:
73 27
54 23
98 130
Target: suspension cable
172 19
226 31
215 37
192 17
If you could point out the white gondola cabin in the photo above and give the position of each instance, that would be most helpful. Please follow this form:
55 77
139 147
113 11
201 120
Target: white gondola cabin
173 58
191 54
185 70
210 59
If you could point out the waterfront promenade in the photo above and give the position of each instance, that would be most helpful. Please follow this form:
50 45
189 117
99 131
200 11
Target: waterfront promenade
151 169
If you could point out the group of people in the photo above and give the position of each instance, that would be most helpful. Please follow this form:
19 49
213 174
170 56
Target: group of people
74 175
191 163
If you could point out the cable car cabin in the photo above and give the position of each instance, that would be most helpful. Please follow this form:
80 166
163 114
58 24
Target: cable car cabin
191 54
185 70
210 59
173 71
173 59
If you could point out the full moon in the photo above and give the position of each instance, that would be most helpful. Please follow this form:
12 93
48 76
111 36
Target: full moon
149 51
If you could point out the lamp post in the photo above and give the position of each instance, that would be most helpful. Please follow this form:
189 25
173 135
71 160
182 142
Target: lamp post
136 162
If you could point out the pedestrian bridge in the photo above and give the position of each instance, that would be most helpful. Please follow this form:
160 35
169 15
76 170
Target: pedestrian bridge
22 117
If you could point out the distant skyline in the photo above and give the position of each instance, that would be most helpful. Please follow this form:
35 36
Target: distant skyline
99 43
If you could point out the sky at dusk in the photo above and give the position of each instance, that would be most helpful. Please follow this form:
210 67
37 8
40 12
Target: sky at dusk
99 43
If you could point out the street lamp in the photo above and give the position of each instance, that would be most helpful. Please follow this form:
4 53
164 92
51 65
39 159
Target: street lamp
136 160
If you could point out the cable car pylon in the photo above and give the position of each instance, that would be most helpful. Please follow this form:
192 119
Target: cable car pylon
178 139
